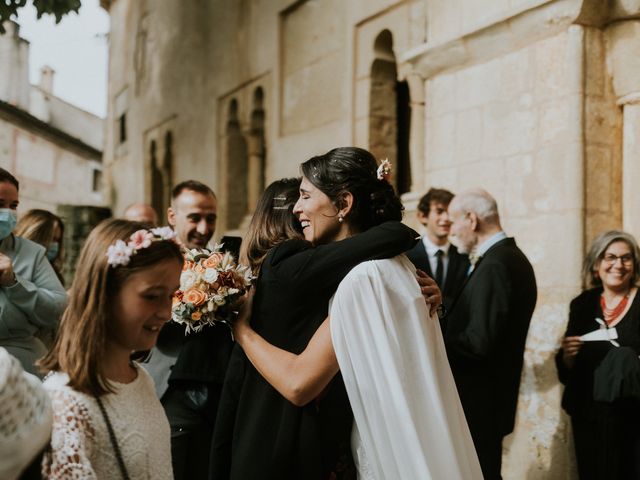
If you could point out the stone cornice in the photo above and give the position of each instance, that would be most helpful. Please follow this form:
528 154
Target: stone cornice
506 34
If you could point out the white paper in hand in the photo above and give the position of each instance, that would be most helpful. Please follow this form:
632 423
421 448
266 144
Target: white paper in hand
602 334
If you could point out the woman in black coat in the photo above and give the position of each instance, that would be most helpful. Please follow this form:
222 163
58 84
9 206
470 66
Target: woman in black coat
602 378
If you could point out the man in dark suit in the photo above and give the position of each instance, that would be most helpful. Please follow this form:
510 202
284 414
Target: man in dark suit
486 328
189 370
434 254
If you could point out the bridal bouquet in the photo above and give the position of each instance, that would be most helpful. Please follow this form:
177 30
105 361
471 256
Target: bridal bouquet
210 285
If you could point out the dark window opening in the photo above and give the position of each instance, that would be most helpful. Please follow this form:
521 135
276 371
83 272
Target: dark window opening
122 127
96 183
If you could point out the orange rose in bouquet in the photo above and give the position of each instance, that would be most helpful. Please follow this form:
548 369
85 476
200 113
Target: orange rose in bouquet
211 283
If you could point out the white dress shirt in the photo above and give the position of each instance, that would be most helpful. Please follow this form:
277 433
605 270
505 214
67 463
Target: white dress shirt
483 248
431 249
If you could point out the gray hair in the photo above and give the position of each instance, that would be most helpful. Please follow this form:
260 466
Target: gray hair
480 202
596 254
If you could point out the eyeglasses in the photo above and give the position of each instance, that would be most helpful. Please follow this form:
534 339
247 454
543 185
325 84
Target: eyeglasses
611 259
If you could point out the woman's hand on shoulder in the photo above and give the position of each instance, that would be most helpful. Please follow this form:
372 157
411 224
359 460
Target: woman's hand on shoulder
430 291
570 348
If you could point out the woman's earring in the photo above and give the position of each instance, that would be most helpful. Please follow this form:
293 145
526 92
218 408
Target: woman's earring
340 217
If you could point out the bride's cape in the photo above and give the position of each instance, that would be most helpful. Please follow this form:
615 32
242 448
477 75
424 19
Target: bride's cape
392 357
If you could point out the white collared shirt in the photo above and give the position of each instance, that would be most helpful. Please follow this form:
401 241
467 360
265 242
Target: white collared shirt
490 242
484 247
431 249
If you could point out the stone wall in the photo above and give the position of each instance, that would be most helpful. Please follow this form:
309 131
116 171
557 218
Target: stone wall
513 125
50 173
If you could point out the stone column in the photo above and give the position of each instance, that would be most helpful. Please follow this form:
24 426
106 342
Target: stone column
623 52
631 166
255 174
418 132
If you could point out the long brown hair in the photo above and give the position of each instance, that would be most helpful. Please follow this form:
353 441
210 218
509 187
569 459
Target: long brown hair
81 342
272 223
39 226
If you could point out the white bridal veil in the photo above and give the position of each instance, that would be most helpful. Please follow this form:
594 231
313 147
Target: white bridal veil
409 420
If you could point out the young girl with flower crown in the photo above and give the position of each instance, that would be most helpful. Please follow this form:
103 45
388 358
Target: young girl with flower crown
108 422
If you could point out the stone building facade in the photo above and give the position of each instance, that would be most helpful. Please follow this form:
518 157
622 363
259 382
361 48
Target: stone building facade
54 148
537 101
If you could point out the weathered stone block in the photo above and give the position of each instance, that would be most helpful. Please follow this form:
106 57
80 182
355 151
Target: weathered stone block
623 47
553 59
517 73
479 84
313 95
557 121
469 136
508 129
441 94
441 137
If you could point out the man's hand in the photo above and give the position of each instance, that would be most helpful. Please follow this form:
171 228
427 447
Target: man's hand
430 291
7 277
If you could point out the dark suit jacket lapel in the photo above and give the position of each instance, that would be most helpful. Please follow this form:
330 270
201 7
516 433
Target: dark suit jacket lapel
506 241
452 270
424 258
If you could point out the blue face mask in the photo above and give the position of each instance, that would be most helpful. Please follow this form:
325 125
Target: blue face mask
52 251
8 222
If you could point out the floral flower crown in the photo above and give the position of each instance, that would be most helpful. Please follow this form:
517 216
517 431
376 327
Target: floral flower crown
384 170
120 253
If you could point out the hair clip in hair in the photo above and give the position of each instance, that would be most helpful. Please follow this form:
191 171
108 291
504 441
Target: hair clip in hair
282 199
120 252
384 170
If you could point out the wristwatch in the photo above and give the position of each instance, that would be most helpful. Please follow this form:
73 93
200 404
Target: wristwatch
441 311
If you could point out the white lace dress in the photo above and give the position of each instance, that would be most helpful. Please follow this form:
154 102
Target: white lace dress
80 444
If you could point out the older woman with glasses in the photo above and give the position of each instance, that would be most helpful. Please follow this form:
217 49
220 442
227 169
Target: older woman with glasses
602 377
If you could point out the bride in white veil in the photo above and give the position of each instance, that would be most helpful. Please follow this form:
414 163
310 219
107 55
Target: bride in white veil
409 422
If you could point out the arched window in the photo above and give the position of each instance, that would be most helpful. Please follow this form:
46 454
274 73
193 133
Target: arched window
257 150
389 112
161 174
237 169
156 178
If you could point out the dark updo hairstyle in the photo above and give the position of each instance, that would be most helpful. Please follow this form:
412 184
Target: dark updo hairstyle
354 170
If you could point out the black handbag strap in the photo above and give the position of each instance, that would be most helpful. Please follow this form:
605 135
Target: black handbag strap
114 441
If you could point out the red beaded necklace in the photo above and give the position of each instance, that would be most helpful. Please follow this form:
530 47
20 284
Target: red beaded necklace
611 314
